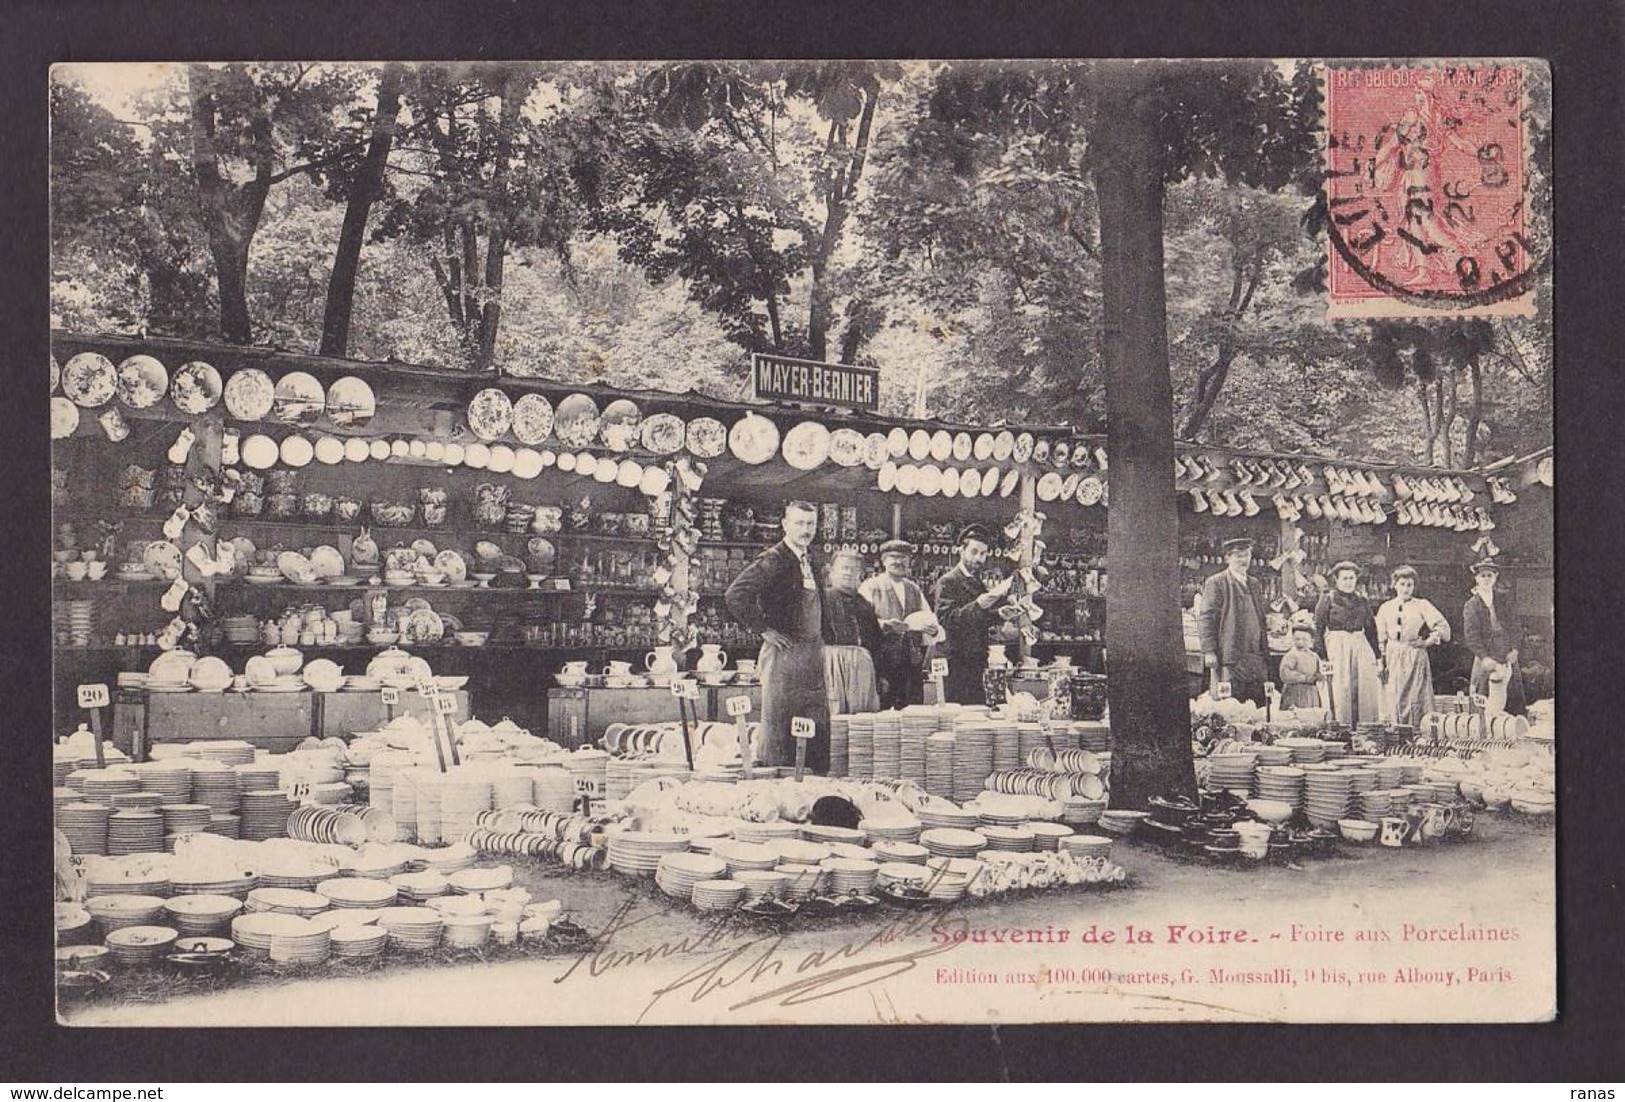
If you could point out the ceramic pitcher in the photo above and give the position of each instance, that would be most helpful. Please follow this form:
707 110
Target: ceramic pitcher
713 659
661 662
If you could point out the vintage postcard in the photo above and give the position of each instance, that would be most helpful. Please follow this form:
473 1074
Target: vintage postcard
732 542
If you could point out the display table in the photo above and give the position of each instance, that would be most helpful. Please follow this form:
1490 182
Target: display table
579 717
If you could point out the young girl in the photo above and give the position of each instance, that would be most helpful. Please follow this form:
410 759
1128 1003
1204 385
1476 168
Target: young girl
1300 671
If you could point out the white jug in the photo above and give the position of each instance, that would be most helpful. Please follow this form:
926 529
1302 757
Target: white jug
996 655
713 659
661 662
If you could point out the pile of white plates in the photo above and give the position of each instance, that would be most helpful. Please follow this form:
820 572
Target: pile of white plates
899 874
1361 779
848 876
462 797
939 765
839 745
1280 782
917 724
1094 737
953 842
474 881
888 745
760 883
85 826
1030 737
170 779
81 619
1233 771
185 818
135 801
1390 773
356 892
265 815
1374 804
775 831
1087 846
358 941
288 901
100 784
950 878
1326 797
795 851
1305 751
718 895
224 751
135 832
638 852
801 881
1048 836
255 933
218 786
513 787
1006 839
745 857
948 816
453 858
907 831
257 778
909 853
360 683
227 826
555 790
1275 755
412 928
116 880
467 931
210 881
831 835
426 785
201 915
419 887
973 754
136 946
115 912
860 750
330 825
1006 745
378 865
678 873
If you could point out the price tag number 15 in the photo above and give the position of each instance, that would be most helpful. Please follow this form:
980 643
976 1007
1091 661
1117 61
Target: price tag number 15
738 706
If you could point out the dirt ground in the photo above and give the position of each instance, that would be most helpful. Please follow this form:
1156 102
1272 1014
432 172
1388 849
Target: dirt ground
1469 924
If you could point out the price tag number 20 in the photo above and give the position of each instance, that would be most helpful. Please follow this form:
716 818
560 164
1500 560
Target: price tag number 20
803 728
93 696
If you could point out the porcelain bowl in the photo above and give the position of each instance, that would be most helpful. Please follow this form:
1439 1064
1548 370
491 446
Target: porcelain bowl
1358 830
1273 812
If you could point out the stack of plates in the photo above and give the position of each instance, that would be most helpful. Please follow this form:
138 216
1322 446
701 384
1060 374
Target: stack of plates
170 779
939 765
311 946
1007 839
358 941
1093 737
802 881
1087 846
1361 779
265 815
185 818
99 784
1335 751
257 778
909 853
81 617
795 851
953 842
381 865
897 874
403 805
134 801
467 931
1048 836
136 946
1280 782
201 915
760 883
679 873
1411 771
1274 755
355 892
112 882
254 933
555 791
329 825
1375 804
850 877
1326 797
412 928
115 912
1006 746
224 751
85 826
1232 771
891 832
638 852
454 858
426 800
360 683
513 787
419 887
973 755
187 883
860 758
1080 812
62 767
888 745
743 857
227 826
956 818
839 737
774 831
718 895
288 901
216 786
1305 751
474 881
73 925
135 832
919 723
830 835
618 778
1390 773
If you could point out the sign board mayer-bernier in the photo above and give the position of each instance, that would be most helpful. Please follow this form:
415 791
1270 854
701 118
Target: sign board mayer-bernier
782 379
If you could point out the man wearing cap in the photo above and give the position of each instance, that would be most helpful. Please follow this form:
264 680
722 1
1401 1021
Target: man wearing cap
894 596
1348 640
1234 639
1495 657
779 596
965 609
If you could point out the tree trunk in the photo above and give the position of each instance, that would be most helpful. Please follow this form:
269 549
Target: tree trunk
1475 414
496 244
231 274
1150 706
368 186
837 205
1429 431
1210 381
230 213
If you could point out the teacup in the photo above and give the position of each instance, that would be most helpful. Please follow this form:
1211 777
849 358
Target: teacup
96 571
575 669
746 665
618 669
75 570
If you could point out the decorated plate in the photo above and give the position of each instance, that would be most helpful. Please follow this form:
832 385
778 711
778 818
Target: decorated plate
196 388
327 562
1044 452
706 437
1089 490
250 394
575 422
527 463
970 483
950 482
350 401
490 414
1004 446
1049 486
296 451
846 447
919 445
532 418
929 480
330 450
753 439
806 446
163 559
887 479
259 452
90 379
1070 486
64 418
663 433
897 441
990 481
56 374
296 568
242 552
423 626
942 445
619 425
908 479
1008 486
982 450
1023 450
964 444
875 451
298 399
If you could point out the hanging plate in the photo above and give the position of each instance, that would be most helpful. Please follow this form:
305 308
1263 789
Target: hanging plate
575 422
350 402
663 433
142 382
490 414
532 418
753 439
298 399
846 447
90 379
64 418
619 425
806 446
706 437
196 388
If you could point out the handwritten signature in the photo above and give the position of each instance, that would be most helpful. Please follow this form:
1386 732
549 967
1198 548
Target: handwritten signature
740 965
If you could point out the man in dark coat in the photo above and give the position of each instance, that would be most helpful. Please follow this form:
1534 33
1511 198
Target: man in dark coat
895 597
779 596
1487 634
965 609
1235 642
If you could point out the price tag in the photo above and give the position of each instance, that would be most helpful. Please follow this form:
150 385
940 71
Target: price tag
390 695
738 706
93 696
1325 669
299 789
423 685
1269 688
561 585
81 870
802 727
1480 700
444 704
589 786
1222 691
684 688
939 669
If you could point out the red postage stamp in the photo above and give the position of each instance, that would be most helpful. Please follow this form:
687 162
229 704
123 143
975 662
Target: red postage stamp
1427 185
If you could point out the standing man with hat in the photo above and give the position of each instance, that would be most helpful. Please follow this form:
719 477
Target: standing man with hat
779 596
1494 647
965 609
1348 639
1235 642
895 597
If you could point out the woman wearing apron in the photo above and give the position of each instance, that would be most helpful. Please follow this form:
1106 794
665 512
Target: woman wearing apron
1408 626
851 638
1348 639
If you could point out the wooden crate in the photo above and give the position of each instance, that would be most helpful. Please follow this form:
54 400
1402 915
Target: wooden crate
343 714
270 721
716 701
576 717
